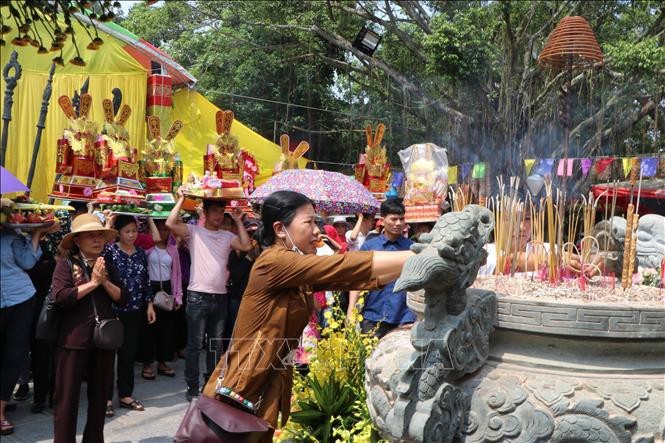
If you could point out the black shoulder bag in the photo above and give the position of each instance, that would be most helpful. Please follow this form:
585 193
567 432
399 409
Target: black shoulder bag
108 332
48 322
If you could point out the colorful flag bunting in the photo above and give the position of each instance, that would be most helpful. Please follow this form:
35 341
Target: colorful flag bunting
478 170
466 168
585 164
603 163
626 162
528 164
544 167
649 166
452 175
565 167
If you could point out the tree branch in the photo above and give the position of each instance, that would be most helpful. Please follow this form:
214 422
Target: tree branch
417 14
408 41
621 127
396 76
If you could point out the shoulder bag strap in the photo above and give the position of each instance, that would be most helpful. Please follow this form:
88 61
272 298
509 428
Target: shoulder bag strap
222 373
84 268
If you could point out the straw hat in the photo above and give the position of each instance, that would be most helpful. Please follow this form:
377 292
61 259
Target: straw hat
86 223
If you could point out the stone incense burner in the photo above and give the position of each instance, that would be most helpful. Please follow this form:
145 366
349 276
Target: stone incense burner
485 367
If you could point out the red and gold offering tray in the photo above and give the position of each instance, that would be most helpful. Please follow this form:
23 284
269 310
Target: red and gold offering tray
422 213
25 213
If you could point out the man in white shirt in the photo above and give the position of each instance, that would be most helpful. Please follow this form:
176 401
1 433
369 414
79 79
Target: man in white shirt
356 237
207 301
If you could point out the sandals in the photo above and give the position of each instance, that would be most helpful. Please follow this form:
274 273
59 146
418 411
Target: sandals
134 405
109 410
169 372
6 427
148 374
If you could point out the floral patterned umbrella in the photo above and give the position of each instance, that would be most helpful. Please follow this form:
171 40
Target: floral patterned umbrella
330 191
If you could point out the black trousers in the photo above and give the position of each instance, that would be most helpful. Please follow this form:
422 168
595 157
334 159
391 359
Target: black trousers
41 360
181 322
158 339
71 365
15 324
132 322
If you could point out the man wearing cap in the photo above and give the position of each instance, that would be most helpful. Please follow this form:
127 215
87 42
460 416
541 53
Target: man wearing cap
207 299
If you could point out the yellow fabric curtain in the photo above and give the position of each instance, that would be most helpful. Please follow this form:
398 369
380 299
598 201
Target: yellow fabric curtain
198 116
108 67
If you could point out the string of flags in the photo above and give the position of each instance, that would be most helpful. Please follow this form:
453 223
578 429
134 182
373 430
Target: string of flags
564 167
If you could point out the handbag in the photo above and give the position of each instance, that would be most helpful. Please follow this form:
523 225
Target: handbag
48 322
108 333
211 421
163 300
223 419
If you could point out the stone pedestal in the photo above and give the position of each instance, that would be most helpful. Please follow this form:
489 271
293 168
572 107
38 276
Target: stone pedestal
555 372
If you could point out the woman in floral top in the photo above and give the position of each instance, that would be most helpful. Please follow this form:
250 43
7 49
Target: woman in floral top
132 265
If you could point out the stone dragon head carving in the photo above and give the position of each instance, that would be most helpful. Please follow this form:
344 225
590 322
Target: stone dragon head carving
449 257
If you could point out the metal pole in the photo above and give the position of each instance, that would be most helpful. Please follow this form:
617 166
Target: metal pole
46 98
9 100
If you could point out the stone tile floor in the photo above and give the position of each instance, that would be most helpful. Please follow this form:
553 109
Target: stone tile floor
163 398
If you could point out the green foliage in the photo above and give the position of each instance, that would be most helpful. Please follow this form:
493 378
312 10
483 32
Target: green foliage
644 58
459 47
332 399
329 404
461 74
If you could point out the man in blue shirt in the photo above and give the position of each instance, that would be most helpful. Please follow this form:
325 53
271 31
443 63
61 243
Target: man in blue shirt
384 309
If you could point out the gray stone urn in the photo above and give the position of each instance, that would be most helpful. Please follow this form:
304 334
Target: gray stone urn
555 372
482 367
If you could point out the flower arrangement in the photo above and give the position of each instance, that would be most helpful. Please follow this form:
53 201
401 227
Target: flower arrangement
329 403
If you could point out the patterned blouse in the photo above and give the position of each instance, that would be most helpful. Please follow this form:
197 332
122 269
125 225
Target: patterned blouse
133 270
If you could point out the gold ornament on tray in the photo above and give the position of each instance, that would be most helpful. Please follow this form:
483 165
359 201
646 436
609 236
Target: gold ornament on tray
376 159
228 155
288 159
114 132
159 153
82 133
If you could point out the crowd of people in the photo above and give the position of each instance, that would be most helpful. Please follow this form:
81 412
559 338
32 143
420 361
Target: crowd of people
181 287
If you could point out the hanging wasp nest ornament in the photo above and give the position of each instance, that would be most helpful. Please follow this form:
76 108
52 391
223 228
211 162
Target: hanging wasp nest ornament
572 45
37 22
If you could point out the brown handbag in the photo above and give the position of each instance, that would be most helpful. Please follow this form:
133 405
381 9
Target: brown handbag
212 421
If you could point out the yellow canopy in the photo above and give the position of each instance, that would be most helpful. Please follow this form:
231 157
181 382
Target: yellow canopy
198 116
108 67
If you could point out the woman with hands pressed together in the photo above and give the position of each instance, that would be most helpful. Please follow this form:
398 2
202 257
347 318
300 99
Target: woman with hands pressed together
132 263
82 277
278 302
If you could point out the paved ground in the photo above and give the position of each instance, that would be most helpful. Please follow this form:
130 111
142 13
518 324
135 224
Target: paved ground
163 398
